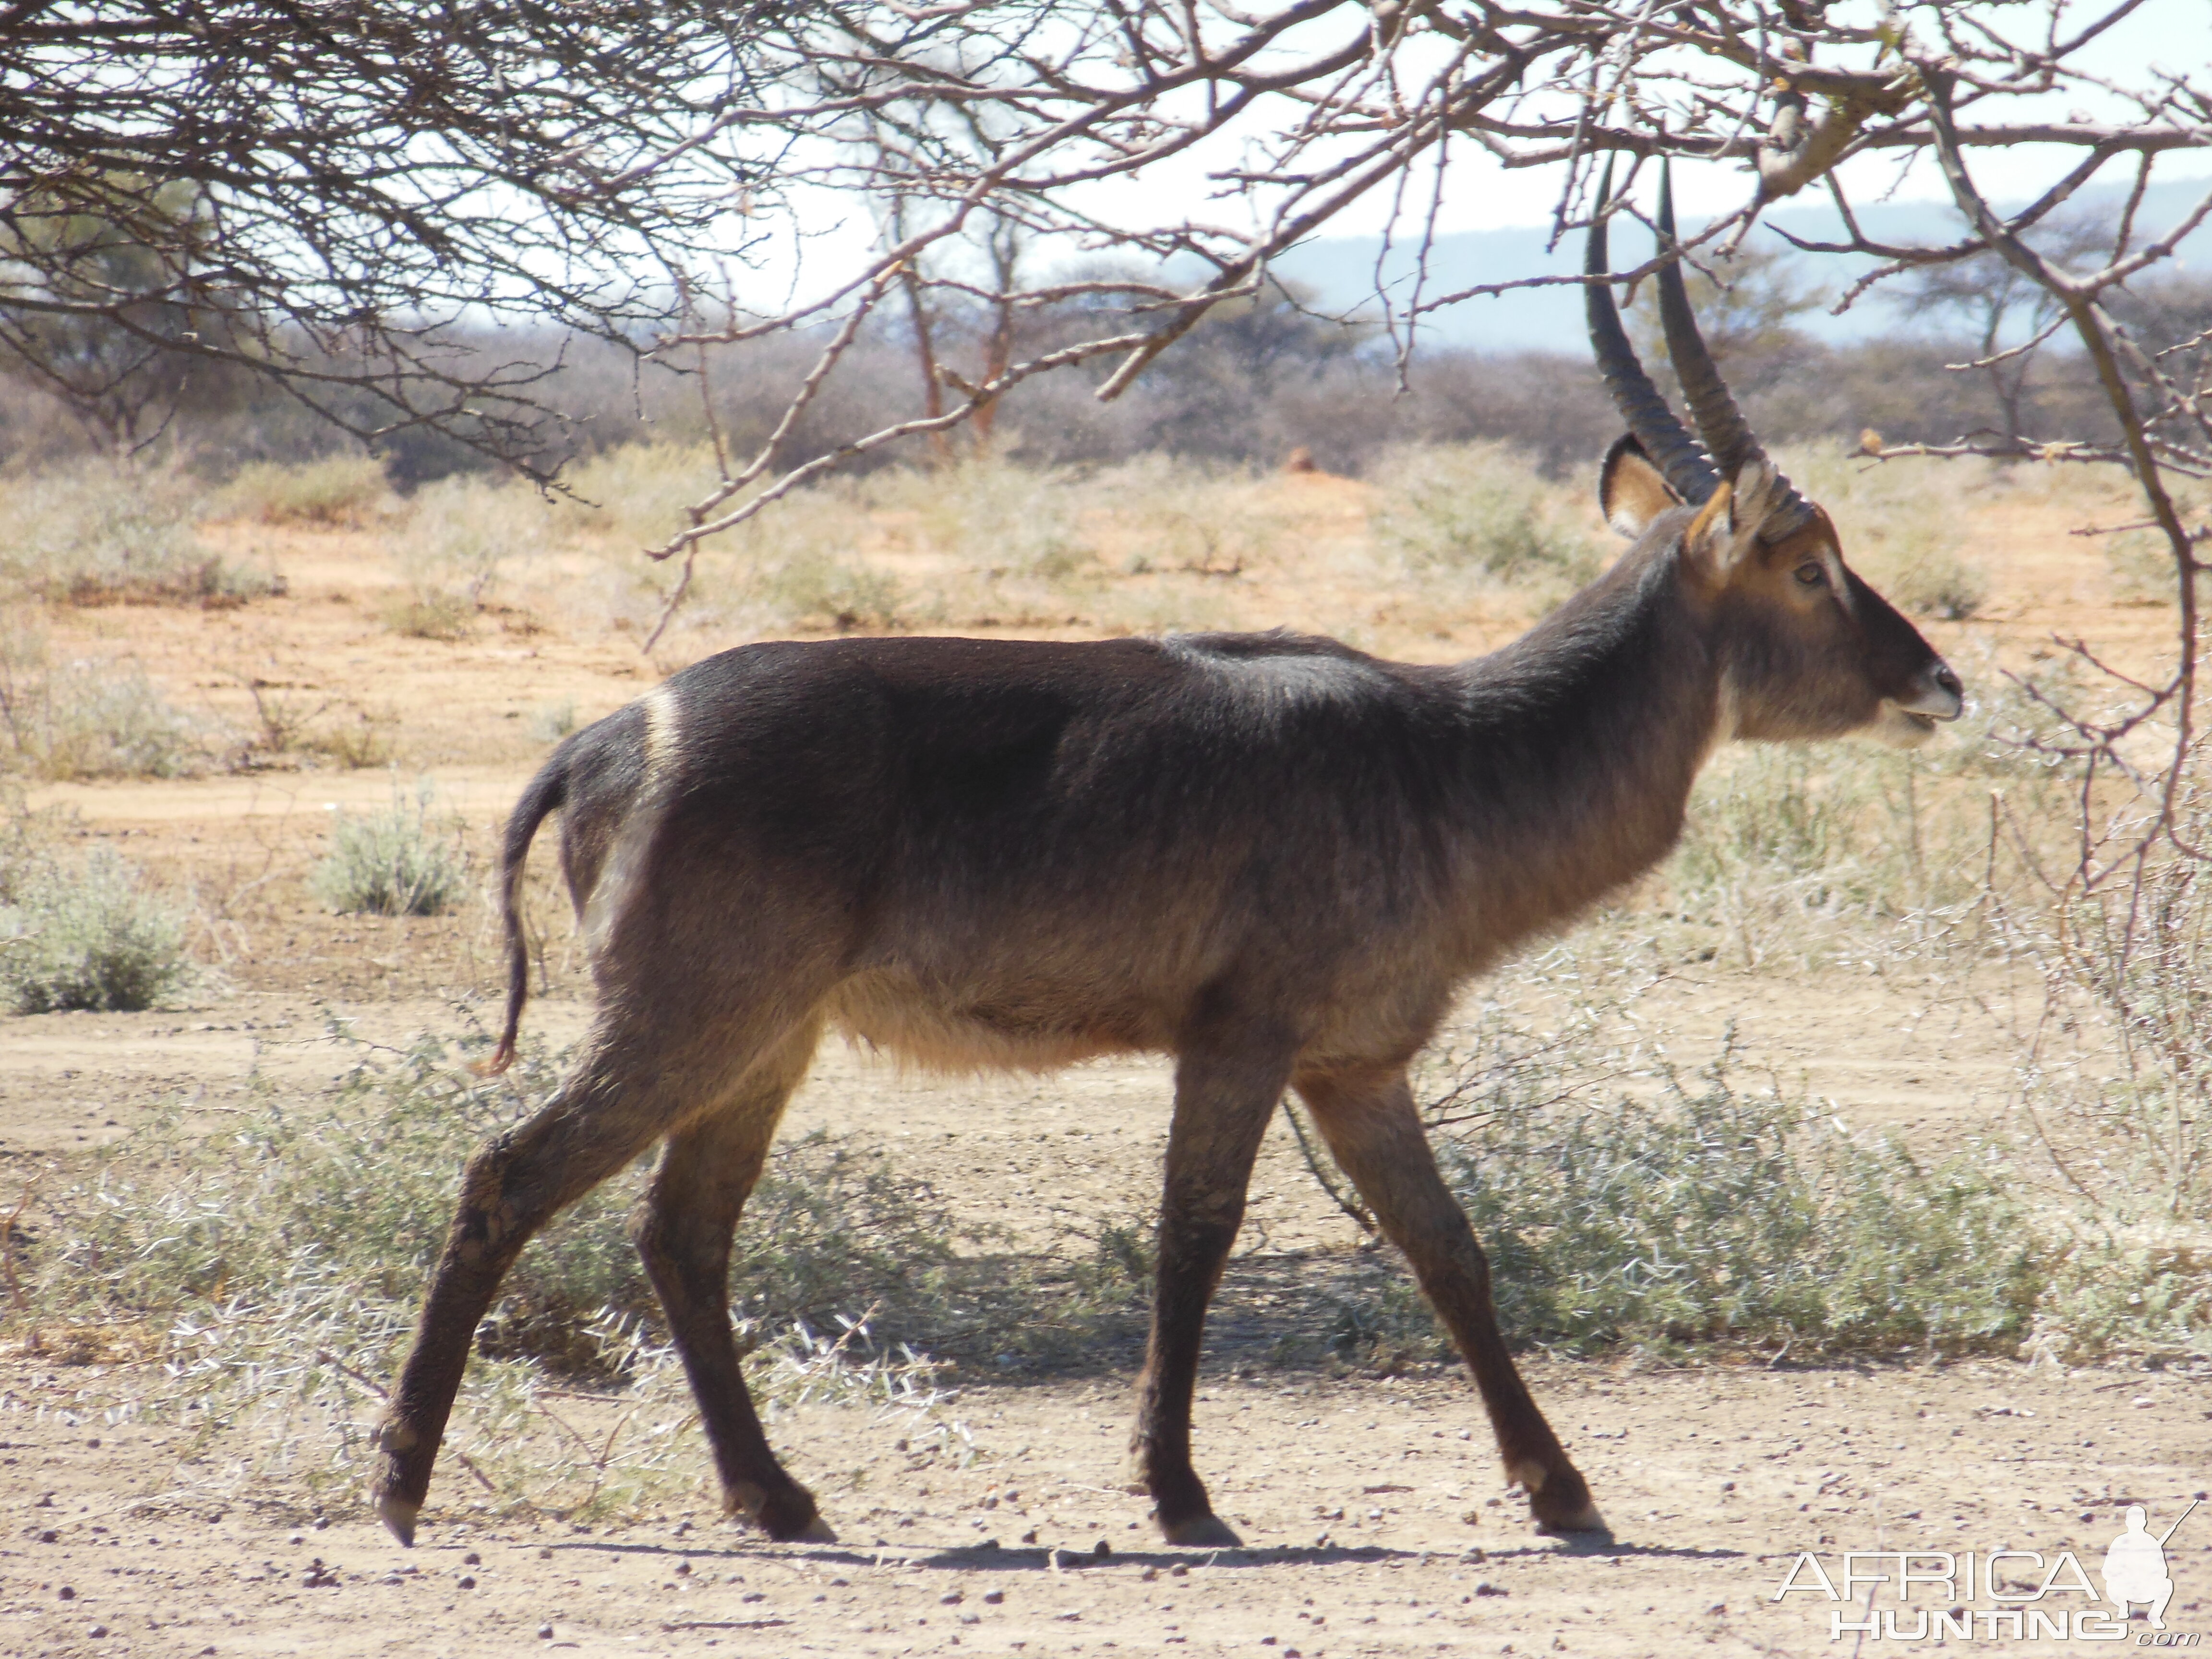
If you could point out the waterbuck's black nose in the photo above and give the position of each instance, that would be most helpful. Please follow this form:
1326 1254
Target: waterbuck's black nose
1937 693
1945 695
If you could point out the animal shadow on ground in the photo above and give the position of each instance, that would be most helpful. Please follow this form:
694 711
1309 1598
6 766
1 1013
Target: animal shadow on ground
1050 1558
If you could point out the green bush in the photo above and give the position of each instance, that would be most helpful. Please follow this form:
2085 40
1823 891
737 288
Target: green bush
1721 1215
1711 1214
404 861
88 935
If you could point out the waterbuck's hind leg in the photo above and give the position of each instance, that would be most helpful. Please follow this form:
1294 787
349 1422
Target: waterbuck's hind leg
602 1116
1226 1092
683 1229
1374 1132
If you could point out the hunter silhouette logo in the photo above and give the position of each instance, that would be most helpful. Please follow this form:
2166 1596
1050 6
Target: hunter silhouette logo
2023 1595
2135 1567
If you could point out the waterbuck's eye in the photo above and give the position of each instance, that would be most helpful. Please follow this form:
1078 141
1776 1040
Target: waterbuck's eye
1812 573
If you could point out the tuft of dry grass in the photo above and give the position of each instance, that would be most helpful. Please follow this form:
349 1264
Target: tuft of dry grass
446 617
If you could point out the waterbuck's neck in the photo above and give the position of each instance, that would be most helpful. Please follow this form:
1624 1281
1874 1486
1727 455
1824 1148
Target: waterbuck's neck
1588 733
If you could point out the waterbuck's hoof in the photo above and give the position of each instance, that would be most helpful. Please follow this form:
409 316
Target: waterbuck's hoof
1200 1532
399 1515
790 1517
1559 1500
1564 1505
1585 1520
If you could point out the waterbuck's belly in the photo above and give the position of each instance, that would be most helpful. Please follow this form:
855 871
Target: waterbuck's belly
1036 1027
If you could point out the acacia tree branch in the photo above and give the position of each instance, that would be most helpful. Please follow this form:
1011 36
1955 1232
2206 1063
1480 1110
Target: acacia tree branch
2095 328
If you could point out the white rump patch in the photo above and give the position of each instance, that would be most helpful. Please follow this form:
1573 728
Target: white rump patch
627 856
662 729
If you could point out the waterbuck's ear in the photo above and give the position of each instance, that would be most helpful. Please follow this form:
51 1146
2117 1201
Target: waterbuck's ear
1631 491
1725 533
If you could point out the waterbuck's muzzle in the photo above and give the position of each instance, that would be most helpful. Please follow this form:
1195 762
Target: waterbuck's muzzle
1935 695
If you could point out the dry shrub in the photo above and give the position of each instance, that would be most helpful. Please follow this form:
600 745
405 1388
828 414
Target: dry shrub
2142 567
443 617
274 1264
982 541
1480 510
1718 1213
70 721
2112 1082
1801 855
637 494
355 738
464 536
335 492
1173 516
1625 1202
550 722
799 563
990 514
94 533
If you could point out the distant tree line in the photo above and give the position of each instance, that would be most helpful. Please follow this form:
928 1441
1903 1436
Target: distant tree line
1258 379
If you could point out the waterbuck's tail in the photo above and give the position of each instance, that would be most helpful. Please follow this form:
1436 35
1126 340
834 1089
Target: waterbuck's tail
544 794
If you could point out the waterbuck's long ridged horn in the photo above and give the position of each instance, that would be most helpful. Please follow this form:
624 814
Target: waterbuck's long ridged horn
1665 438
1728 437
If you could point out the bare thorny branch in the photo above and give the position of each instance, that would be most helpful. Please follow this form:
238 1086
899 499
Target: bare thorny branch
978 115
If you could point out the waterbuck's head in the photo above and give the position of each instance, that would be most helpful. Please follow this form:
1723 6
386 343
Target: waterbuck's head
1807 649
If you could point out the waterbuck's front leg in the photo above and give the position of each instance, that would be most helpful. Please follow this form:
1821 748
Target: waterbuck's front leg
1226 1092
1374 1132
683 1229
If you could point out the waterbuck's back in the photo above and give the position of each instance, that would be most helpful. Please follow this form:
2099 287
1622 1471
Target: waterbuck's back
1019 853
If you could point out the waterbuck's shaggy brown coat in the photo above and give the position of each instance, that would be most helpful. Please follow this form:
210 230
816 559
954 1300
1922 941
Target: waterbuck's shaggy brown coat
1273 857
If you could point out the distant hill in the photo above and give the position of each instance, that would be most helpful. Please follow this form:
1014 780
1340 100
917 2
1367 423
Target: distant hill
1341 270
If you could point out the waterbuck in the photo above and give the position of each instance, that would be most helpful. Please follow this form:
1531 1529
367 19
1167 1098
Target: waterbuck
1275 858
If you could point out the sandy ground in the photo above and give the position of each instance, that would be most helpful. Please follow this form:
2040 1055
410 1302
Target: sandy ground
1376 1517
1375 1513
